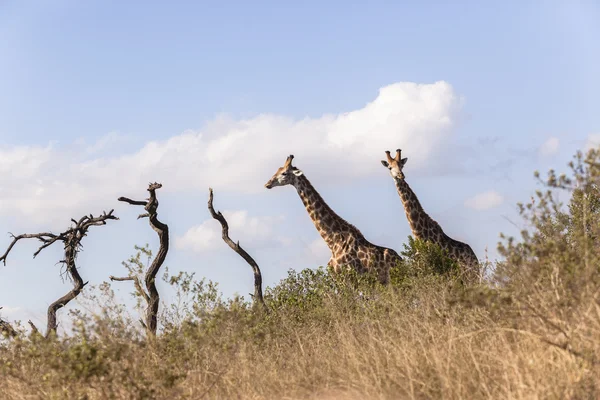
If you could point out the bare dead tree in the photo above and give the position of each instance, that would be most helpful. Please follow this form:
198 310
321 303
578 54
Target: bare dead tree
71 239
6 328
258 294
151 296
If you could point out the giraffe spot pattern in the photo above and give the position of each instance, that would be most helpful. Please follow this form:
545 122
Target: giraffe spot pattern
425 228
348 246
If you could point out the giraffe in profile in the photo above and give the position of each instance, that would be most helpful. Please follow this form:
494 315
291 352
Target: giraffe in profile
424 227
348 246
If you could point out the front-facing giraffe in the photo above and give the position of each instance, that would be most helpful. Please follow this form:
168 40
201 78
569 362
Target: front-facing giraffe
348 246
424 227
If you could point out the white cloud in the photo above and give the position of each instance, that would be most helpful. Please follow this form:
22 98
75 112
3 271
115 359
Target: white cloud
550 147
46 183
107 142
485 200
593 141
250 231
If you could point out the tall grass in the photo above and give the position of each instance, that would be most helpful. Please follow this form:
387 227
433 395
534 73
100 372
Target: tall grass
532 332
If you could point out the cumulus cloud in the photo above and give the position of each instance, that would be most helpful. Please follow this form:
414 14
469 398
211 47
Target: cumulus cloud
110 141
550 147
485 200
239 155
250 231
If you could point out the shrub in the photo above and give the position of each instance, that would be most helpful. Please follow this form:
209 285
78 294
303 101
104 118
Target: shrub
531 332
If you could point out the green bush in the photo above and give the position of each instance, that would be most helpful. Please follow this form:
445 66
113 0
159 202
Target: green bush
531 332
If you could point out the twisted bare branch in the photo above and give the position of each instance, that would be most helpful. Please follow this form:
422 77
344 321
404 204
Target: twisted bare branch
258 294
71 239
152 296
46 238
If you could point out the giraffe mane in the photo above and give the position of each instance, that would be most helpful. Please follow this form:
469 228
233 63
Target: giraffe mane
341 219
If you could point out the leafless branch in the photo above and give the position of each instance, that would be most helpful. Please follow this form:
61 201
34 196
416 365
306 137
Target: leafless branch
132 202
46 238
152 297
71 239
258 294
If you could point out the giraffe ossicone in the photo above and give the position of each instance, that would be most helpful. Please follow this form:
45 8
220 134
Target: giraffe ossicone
424 227
348 246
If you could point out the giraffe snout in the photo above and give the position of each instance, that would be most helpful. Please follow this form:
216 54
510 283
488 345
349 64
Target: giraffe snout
268 185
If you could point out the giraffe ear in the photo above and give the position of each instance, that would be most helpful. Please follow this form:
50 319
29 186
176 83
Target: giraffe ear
297 172
385 163
403 161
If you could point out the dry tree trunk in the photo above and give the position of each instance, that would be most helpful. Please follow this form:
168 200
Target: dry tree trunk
258 294
78 286
71 239
151 296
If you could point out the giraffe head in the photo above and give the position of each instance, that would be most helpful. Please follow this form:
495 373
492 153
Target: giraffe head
286 175
395 165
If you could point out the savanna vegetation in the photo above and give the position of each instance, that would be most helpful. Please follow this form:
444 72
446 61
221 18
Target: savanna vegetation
530 329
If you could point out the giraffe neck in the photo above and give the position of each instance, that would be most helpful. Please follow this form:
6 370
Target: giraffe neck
422 225
327 222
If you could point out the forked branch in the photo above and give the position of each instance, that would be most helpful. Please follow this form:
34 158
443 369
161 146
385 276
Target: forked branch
71 239
258 294
46 238
151 296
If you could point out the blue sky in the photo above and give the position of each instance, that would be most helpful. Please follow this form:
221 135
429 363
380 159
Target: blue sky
97 98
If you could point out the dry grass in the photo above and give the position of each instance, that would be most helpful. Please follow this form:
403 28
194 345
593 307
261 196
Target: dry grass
534 334
404 345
